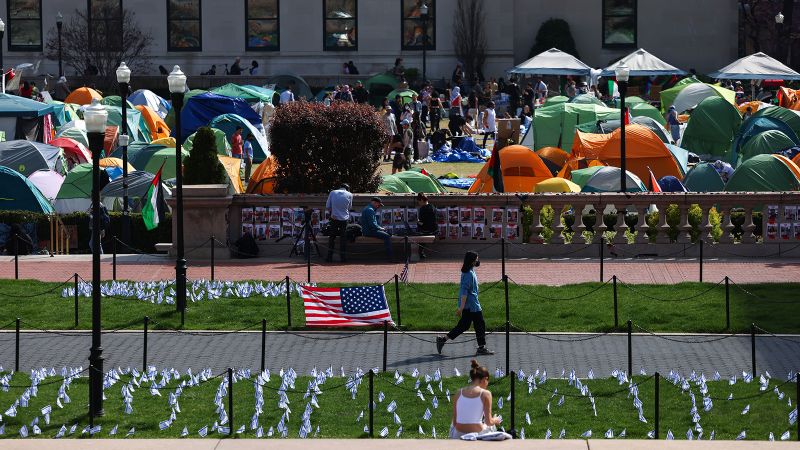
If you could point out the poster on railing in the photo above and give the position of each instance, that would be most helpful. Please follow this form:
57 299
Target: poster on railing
479 215
771 230
465 214
260 214
412 216
497 216
478 231
453 230
512 231
496 231
274 231
466 230
441 216
274 214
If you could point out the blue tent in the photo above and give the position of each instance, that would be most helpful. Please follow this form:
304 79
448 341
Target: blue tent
671 184
754 125
20 194
201 109
15 106
228 123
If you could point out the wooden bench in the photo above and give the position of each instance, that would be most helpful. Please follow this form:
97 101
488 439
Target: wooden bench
413 242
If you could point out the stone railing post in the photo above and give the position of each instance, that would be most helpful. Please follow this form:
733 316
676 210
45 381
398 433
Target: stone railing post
558 225
599 224
663 226
706 229
536 227
579 228
620 226
641 224
684 228
727 224
749 226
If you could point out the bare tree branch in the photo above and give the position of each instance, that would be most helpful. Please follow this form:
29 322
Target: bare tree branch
469 36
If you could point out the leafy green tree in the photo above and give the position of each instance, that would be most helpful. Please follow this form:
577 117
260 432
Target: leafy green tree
202 166
554 33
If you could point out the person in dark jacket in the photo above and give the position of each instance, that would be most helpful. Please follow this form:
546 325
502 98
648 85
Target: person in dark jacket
370 226
426 225
360 93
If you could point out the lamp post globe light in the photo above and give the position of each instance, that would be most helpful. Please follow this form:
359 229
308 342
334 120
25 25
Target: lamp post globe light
123 79
423 14
59 25
95 117
622 72
177 86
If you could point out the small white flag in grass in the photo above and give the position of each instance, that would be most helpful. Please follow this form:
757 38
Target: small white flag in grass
609 434
23 432
61 432
113 431
36 430
785 436
527 418
260 432
381 396
670 437
522 433
547 434
562 434
224 430
586 434
203 432
240 430
713 433
623 433
741 436
360 416
548 408
420 430
366 429
499 402
771 437
164 424
96 429
392 406
399 432
746 410
433 432
270 432
73 428
689 435
185 432
793 416
427 415
131 432
384 431
397 419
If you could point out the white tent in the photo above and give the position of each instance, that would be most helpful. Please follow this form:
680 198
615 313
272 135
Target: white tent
553 62
758 66
694 93
643 64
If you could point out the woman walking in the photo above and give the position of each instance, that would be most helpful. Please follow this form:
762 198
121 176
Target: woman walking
469 308
472 405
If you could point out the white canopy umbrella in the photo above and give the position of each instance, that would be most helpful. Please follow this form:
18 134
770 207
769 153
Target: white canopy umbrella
758 66
553 62
643 64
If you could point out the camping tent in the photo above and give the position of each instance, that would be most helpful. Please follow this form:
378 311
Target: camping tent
115 162
27 157
405 95
233 167
300 88
704 178
76 191
139 153
419 182
668 95
73 150
764 143
63 112
223 147
22 118
556 100
170 117
77 134
609 126
646 110
671 184
607 179
644 150
166 158
586 99
114 100
791 118
711 128
201 109
521 169
553 157
250 94
554 126
137 129
227 123
379 86
144 97
694 93
138 184
390 183
19 193
643 64
262 181
553 62
757 66
581 175
556 185
765 173
83 96
753 126
48 182
155 124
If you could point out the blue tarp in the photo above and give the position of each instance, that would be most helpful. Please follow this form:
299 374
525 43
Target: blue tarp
201 109
458 183
446 154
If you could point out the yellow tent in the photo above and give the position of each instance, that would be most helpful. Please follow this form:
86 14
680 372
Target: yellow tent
166 142
115 162
233 167
556 185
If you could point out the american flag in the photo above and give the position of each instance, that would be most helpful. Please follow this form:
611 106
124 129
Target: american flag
349 306
404 273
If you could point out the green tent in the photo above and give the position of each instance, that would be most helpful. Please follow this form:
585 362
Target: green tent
405 95
394 185
586 99
20 194
134 123
792 118
764 143
554 126
647 110
379 86
165 157
433 178
763 173
630 101
581 176
223 147
170 119
418 182
115 100
556 100
248 93
668 95
712 127
703 178
76 134
140 153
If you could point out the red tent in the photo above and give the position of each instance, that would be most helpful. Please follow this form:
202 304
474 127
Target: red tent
73 150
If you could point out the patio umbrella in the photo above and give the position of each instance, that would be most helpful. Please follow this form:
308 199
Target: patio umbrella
553 62
643 64
758 66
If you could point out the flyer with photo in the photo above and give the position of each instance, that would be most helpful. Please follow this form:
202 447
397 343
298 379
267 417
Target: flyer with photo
386 216
441 216
288 229
478 231
315 218
399 215
247 228
274 214
299 217
274 231
512 215
466 230
465 214
442 233
797 231
497 215
497 231
247 215
453 231
772 231
411 215
786 231
479 215
452 216
511 231
287 214
790 213
261 232
772 213
261 214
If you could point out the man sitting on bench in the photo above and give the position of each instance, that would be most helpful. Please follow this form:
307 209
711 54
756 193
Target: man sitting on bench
371 228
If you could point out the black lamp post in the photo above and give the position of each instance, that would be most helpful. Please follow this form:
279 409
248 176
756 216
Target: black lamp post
59 25
2 67
177 87
95 117
123 78
622 73
423 14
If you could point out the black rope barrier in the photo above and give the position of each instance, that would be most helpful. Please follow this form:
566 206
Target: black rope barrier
682 341
535 294
691 297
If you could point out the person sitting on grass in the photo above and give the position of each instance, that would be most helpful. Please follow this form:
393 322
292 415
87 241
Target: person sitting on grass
371 228
472 405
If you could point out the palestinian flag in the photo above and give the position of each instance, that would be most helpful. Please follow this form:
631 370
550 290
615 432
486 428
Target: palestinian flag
495 170
152 210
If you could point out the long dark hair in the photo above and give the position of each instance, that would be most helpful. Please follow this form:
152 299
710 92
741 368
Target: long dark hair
469 261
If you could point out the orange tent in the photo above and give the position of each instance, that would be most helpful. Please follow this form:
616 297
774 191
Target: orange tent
796 159
752 105
158 128
588 145
521 167
643 149
554 154
263 179
83 96
788 98
790 164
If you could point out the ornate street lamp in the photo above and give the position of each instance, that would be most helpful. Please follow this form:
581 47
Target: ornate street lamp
423 13
177 87
622 73
95 117
123 78
59 26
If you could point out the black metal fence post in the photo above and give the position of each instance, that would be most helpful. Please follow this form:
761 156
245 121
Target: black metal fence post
213 245
503 256
602 252
701 242
513 393
508 325
144 344
263 343
16 352
16 256
76 300
307 249
753 347
288 303
406 248
114 258
630 348
657 404
385 343
797 398
371 402
727 304
230 401
616 311
397 298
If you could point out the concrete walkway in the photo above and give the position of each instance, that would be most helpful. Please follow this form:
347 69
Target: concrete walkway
524 271
304 351
388 444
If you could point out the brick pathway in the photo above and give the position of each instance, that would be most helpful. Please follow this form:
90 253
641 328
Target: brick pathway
528 271
553 352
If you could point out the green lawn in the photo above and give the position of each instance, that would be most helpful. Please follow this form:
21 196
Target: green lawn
338 412
774 308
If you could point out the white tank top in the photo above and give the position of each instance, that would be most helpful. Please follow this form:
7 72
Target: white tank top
469 410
